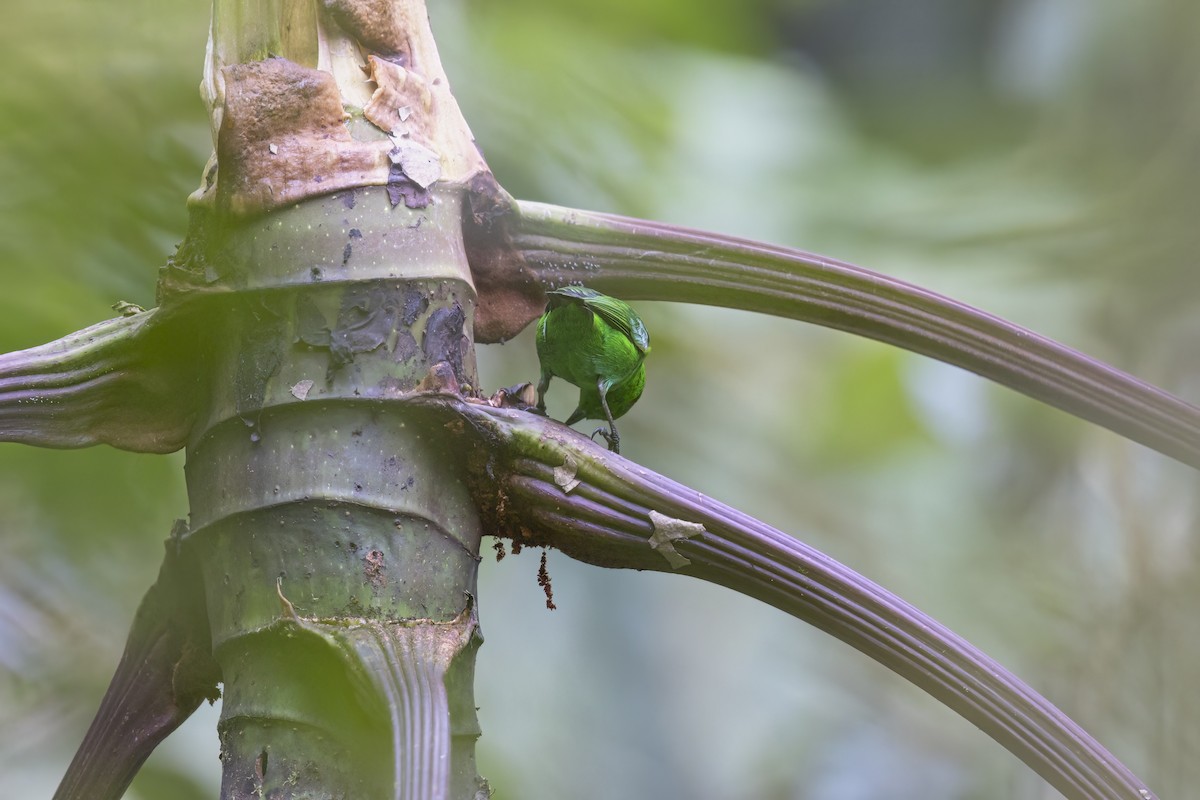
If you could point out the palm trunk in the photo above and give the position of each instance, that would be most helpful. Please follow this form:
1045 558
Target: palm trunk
338 546
339 549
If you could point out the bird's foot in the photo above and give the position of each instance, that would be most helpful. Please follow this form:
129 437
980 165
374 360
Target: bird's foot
614 441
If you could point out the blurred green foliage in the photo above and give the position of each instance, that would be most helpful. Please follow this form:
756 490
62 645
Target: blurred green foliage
1033 157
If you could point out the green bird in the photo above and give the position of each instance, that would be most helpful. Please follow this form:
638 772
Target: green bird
599 344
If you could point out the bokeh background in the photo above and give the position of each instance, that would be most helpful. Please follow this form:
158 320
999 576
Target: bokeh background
1037 158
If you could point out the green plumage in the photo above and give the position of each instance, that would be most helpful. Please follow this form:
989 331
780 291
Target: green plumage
597 343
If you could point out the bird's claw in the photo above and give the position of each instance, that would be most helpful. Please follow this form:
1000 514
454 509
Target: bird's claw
614 441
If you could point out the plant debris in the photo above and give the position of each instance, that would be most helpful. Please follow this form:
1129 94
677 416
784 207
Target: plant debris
544 582
667 531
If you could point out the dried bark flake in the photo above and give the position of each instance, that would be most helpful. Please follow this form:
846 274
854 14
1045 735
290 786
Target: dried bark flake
667 531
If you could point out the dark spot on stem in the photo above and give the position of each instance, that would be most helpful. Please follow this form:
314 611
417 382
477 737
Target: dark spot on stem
311 327
415 304
367 319
261 356
444 339
406 347
374 568
401 187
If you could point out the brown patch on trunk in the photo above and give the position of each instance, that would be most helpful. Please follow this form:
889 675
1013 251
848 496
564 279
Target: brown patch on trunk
283 138
402 101
509 296
380 25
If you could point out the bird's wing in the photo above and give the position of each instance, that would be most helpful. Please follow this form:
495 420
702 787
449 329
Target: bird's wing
616 313
621 317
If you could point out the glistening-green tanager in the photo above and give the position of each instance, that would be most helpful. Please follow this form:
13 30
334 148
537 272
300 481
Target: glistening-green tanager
597 343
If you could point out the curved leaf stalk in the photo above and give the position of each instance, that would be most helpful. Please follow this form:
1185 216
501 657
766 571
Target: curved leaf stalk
634 259
164 674
544 484
120 382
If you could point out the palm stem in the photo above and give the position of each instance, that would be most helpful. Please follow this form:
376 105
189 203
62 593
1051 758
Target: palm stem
555 488
640 260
